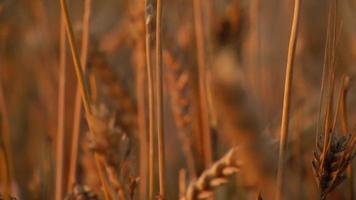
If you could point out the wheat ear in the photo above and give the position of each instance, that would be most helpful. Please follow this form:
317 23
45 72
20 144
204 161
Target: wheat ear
181 106
216 175
333 153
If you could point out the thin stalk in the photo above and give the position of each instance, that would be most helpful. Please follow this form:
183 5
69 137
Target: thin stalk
182 178
345 129
159 100
108 190
203 106
5 142
286 101
4 172
343 107
139 60
77 109
61 114
150 89
339 103
77 64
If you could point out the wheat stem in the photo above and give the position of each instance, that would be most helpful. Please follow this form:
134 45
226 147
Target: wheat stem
4 171
200 44
182 179
139 56
343 107
150 89
159 100
286 101
345 129
61 114
77 108
5 142
85 97
77 64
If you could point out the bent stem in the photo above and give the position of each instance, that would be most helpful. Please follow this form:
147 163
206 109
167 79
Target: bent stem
286 101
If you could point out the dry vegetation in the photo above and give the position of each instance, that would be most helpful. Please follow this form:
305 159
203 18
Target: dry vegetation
184 99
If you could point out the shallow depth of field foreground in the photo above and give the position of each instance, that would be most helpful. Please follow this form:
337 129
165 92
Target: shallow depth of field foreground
177 99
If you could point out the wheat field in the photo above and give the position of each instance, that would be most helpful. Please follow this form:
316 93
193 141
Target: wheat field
177 99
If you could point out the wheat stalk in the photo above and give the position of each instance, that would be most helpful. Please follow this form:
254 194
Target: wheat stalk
4 171
182 177
139 63
286 101
216 175
344 125
6 165
150 90
159 101
203 106
61 114
77 109
94 126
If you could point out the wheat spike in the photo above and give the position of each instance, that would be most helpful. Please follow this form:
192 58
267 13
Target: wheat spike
179 82
113 144
213 177
82 192
333 153
330 166
118 93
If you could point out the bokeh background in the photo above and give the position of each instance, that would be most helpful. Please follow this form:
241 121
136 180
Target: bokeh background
247 43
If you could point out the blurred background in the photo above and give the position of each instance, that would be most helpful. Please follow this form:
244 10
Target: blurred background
246 50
